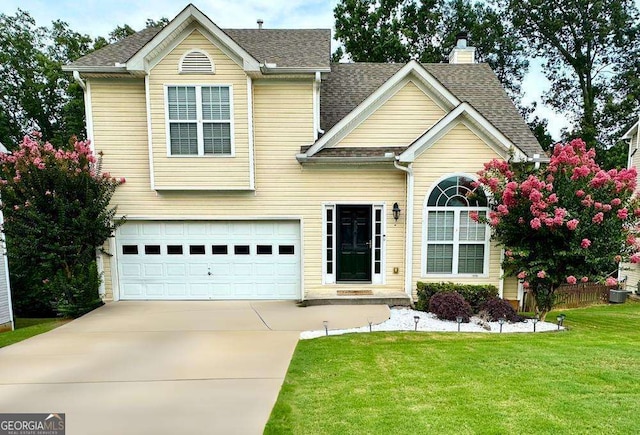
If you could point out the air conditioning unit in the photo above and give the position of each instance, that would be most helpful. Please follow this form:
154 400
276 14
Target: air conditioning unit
618 296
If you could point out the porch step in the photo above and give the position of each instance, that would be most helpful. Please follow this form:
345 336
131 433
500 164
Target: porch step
394 300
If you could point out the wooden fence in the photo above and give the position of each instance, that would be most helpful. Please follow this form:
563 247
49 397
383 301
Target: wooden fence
573 296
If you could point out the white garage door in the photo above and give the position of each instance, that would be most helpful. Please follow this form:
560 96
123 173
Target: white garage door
209 260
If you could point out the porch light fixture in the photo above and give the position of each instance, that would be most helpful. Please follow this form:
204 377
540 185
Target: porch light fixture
396 211
501 321
416 319
535 320
459 320
325 323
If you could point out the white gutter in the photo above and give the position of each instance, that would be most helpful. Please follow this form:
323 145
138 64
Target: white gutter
408 266
316 109
303 159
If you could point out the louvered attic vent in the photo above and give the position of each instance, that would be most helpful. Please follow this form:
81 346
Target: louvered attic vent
196 62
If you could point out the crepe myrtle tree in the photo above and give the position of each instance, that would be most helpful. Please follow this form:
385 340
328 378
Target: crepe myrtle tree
566 222
56 213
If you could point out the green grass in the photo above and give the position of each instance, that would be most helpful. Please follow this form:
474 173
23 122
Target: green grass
585 380
27 328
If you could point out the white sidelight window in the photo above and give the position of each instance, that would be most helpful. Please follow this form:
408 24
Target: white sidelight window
454 244
199 120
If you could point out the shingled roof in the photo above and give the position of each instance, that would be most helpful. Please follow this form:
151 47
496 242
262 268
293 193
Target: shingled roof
287 48
349 84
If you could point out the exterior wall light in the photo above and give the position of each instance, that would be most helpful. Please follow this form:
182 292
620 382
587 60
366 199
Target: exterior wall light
396 211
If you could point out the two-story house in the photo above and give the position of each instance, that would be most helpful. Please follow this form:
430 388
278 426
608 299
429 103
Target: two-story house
257 169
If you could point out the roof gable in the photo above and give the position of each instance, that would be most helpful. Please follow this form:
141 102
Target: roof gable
181 26
413 71
632 131
475 122
349 85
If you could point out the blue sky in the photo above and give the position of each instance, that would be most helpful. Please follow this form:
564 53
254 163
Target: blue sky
99 17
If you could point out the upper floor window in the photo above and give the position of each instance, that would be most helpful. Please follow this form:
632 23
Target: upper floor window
455 243
199 120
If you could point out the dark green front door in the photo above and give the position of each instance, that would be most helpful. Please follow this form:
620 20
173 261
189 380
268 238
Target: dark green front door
354 243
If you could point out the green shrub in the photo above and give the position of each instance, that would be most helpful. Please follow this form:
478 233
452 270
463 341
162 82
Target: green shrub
76 292
475 295
449 306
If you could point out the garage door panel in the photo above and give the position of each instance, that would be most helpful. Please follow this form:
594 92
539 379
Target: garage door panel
209 260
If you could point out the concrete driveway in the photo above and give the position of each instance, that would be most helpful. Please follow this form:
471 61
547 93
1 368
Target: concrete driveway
166 367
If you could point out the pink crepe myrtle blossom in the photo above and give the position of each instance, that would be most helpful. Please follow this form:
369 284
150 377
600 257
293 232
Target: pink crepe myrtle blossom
610 282
573 224
616 202
525 284
542 274
606 207
623 213
535 223
584 279
522 275
635 258
580 193
508 253
571 280
585 243
598 218
474 216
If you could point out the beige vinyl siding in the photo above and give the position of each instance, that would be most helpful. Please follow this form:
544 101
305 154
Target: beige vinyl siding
398 122
206 172
632 271
459 151
283 113
510 288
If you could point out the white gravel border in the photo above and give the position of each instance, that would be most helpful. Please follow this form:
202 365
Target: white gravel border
402 319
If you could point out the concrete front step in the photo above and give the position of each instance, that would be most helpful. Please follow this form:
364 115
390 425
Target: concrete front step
390 300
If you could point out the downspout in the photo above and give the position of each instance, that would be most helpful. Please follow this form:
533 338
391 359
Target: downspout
316 112
408 248
77 78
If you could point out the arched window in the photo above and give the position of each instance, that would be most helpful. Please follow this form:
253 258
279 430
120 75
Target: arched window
455 243
196 62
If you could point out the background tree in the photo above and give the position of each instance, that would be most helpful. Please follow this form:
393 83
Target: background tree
565 222
590 51
400 30
36 95
56 208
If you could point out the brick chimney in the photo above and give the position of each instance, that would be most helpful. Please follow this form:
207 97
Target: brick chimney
461 53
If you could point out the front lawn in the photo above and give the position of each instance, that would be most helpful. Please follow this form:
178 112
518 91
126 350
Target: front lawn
584 380
27 328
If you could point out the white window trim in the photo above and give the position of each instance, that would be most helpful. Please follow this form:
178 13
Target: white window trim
456 232
196 50
200 121
376 278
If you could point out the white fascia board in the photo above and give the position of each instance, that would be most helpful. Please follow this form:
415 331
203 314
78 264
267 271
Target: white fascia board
375 100
632 131
177 25
475 119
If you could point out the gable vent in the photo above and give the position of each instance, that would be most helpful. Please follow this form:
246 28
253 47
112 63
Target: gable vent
196 62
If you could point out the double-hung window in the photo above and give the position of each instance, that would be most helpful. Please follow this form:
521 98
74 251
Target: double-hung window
455 243
199 120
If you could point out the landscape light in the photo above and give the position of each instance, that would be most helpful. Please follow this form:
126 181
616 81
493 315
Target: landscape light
535 320
501 321
559 319
459 320
370 323
416 319
326 327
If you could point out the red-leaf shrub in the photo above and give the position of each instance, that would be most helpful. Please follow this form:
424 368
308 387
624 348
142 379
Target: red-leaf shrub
450 305
497 308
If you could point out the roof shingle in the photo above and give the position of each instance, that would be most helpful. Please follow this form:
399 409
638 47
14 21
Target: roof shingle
292 48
